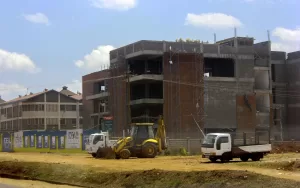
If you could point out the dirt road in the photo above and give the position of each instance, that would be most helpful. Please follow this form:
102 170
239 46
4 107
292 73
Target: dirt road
174 163
10 183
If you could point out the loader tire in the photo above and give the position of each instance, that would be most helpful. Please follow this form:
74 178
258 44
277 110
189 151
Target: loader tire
149 150
124 154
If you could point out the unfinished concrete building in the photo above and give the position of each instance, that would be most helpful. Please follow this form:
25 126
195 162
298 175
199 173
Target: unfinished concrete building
226 86
286 87
167 78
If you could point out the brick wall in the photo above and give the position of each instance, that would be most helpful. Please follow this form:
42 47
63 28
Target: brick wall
87 90
183 89
117 99
246 115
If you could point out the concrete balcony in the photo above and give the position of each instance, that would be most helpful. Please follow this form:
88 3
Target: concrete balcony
100 114
146 101
98 96
262 91
146 77
157 48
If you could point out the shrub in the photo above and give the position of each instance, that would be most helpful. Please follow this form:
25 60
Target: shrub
183 151
167 152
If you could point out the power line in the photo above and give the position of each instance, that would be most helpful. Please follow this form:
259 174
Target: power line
218 86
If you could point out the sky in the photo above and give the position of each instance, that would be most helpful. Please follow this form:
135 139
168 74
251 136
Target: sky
49 44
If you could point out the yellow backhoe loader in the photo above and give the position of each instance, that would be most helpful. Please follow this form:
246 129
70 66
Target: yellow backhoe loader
144 142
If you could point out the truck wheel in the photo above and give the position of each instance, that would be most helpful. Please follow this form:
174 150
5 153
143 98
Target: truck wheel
149 150
99 153
224 159
125 154
255 157
244 158
213 160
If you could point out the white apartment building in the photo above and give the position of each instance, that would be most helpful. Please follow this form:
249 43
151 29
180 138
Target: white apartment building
46 110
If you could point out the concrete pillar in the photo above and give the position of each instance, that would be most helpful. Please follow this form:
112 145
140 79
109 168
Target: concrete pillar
45 111
58 118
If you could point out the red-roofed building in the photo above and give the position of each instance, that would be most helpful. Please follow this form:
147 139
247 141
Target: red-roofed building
46 110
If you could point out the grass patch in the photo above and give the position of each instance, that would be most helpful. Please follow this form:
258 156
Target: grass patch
93 177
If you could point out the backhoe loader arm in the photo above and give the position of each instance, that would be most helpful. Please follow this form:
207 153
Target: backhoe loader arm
161 135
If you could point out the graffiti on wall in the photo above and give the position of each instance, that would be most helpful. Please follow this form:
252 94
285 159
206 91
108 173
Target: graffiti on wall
32 144
53 140
26 141
46 143
18 139
73 138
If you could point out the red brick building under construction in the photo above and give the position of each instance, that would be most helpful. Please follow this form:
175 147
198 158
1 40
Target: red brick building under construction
153 92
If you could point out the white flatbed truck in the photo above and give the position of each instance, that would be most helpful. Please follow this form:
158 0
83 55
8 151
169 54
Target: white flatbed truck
224 147
98 140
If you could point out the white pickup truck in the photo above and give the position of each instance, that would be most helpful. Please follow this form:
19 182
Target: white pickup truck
98 140
222 146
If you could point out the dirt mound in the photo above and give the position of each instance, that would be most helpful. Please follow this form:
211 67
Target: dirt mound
285 148
289 165
92 177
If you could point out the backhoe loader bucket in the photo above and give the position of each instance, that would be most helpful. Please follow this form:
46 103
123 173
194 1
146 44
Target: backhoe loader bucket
106 153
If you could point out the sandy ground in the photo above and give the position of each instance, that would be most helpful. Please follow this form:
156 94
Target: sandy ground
28 184
176 163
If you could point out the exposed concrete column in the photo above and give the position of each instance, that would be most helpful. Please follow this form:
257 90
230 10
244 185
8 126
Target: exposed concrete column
45 111
58 111
77 115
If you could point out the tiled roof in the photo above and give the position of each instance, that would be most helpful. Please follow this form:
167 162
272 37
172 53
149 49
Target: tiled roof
77 97
2 101
26 97
67 92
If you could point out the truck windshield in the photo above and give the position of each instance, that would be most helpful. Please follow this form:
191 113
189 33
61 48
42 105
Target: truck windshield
209 139
97 138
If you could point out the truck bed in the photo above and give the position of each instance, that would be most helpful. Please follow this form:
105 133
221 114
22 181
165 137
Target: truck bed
261 148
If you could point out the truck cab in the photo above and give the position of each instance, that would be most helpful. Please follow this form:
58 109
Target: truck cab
215 145
96 141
